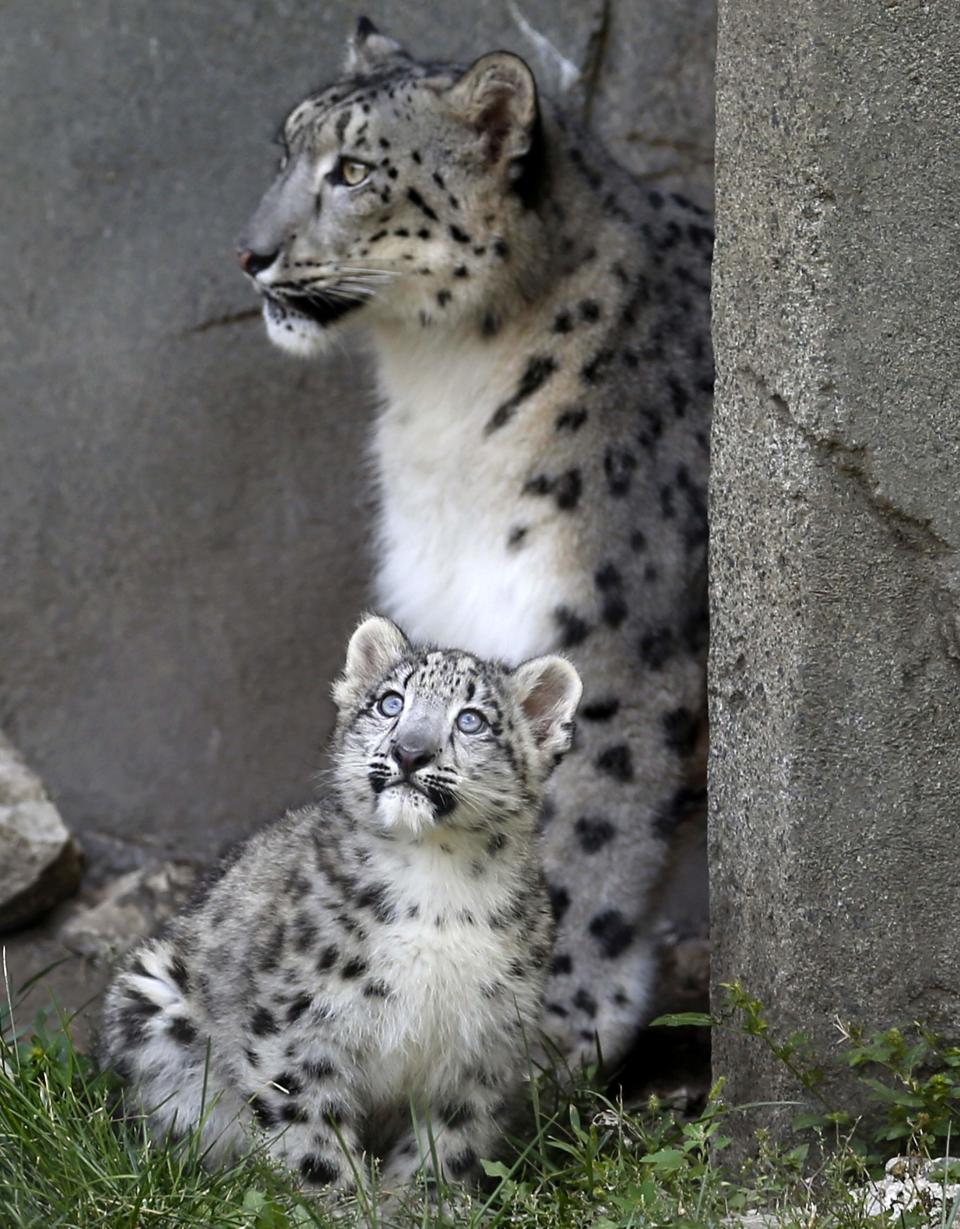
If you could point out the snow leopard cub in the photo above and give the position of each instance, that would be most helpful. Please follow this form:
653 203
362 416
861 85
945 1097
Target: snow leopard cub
376 961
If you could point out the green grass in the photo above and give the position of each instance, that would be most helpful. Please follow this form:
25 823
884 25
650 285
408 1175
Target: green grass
65 1162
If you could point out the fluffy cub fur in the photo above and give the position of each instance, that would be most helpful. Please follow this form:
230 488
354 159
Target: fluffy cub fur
374 962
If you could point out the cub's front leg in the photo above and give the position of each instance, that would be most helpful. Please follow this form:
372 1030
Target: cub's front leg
311 1116
457 1132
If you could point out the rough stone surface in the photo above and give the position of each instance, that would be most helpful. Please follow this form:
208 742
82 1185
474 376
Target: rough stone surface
128 909
653 99
39 862
75 946
835 669
183 516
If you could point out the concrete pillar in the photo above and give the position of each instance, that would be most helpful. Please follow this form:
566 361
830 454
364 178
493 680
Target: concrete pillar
835 669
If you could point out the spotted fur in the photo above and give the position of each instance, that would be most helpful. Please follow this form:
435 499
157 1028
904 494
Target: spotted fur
381 952
540 324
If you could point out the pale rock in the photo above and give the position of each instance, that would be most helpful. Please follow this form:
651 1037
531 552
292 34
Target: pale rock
39 861
128 909
912 1184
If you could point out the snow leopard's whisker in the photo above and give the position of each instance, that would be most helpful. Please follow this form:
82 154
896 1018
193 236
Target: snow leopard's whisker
326 298
372 270
475 798
355 290
361 279
338 292
368 275
322 268
353 762
342 286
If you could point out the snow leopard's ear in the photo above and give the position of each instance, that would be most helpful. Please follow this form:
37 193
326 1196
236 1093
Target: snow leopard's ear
497 96
548 689
368 48
375 647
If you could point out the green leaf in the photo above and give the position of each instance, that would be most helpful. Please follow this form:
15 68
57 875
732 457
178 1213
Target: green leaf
253 1200
495 1169
944 1169
646 1193
667 1159
272 1217
894 1096
684 1019
264 1212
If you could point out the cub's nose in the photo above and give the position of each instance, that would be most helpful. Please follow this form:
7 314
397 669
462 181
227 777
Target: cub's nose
410 755
255 262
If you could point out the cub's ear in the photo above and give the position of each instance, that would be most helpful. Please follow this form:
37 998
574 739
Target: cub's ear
368 47
548 690
497 95
375 647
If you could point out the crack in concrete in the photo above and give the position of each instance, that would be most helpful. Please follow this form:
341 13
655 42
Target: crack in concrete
916 533
594 57
216 322
854 461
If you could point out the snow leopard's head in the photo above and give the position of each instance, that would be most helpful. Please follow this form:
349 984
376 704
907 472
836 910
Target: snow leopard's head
406 192
432 738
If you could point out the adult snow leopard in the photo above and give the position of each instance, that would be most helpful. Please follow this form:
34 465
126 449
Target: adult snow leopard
540 324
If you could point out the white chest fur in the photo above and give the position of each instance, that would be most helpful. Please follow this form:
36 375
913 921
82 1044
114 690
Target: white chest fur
446 966
449 502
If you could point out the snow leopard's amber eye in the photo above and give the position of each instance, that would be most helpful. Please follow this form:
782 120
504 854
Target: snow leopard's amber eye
470 721
390 704
352 173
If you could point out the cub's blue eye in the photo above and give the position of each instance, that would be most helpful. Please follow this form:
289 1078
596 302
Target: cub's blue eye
390 704
470 721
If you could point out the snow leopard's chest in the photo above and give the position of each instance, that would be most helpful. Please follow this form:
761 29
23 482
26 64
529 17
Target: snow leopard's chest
451 521
452 974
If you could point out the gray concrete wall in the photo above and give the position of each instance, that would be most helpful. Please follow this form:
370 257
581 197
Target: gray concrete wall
835 668
182 509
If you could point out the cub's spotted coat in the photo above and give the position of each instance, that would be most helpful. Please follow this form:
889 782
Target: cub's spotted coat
541 330
382 950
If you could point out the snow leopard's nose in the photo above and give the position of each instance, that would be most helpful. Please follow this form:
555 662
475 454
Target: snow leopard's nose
411 753
255 262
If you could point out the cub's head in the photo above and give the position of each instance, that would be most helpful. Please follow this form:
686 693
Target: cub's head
429 737
406 192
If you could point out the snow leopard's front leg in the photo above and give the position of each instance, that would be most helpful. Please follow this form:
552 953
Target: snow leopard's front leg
321 1144
456 1134
306 1101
